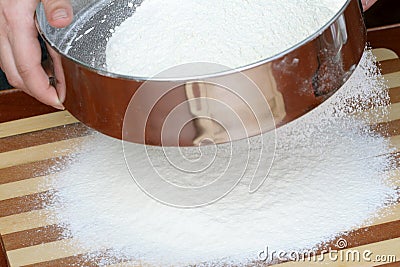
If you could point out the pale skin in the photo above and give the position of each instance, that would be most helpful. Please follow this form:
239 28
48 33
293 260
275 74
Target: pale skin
20 53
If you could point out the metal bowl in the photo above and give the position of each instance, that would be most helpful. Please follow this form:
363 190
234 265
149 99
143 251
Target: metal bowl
138 109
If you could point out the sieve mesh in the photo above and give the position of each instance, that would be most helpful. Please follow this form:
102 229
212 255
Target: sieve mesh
85 40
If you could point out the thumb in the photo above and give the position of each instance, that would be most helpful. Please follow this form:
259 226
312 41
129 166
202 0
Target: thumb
59 13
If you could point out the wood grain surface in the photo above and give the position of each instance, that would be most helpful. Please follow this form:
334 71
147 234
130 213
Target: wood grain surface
31 147
15 105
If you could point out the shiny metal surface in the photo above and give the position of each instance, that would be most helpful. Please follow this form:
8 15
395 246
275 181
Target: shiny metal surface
289 84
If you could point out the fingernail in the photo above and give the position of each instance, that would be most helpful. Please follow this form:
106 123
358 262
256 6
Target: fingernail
60 14
59 105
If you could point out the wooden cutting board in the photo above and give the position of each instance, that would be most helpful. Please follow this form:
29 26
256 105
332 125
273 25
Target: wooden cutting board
30 147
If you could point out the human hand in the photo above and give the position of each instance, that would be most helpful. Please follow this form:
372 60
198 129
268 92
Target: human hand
20 53
368 3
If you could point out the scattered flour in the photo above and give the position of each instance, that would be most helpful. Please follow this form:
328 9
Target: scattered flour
163 34
326 179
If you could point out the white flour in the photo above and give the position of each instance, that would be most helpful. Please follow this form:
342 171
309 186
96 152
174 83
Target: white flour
162 34
326 179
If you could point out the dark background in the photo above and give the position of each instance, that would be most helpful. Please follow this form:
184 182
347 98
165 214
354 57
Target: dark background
384 12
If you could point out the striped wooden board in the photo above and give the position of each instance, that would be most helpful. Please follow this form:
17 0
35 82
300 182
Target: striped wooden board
30 147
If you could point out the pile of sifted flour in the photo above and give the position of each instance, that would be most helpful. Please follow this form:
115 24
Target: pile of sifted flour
163 34
327 178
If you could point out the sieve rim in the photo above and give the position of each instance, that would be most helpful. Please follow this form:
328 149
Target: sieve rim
229 71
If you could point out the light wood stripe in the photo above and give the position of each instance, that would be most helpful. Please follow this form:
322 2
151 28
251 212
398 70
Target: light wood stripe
394 178
25 221
395 142
382 54
88 260
386 215
392 79
37 123
38 153
25 187
380 248
66 147
78 261
364 236
61 253
393 112
393 83
129 264
368 235
394 264
45 252
370 115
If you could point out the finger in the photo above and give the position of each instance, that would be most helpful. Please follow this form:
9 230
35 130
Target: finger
27 54
59 73
7 63
59 13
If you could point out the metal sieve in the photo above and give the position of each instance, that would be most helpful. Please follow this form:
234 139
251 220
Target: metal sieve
259 96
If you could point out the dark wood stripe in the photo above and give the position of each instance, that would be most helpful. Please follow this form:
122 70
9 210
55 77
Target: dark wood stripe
365 236
385 37
371 234
394 94
33 237
394 160
26 203
390 66
88 260
43 137
3 254
357 238
32 170
387 129
15 105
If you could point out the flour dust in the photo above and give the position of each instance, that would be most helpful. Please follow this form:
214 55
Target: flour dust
328 177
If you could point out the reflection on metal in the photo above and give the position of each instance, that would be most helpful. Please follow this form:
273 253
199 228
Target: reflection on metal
264 79
207 130
331 69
